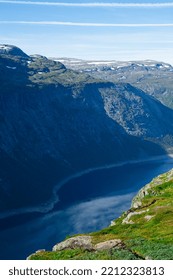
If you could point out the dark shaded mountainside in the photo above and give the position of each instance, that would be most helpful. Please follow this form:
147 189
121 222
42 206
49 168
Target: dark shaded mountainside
55 122
144 232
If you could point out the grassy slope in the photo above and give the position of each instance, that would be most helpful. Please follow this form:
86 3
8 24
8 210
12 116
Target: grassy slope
147 235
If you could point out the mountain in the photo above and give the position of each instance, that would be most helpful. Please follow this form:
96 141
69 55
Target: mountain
144 232
12 50
56 122
153 77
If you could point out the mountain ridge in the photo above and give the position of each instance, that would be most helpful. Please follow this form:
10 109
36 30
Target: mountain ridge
153 77
56 122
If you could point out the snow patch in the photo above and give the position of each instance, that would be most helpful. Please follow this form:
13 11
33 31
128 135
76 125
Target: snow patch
167 66
3 47
99 62
123 78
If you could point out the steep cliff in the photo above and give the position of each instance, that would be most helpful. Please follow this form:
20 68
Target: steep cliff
56 122
153 77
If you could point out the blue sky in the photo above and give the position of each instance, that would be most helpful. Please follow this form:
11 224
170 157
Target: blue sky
105 29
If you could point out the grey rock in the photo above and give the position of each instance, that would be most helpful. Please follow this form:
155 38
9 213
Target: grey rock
148 217
151 76
163 178
82 242
137 204
40 251
131 214
107 245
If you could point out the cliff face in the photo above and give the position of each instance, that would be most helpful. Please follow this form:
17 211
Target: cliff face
142 232
55 122
153 77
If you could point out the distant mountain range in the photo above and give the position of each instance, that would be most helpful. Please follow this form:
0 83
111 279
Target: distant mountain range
56 121
153 77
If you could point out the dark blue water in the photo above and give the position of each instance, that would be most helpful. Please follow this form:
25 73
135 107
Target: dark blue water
87 203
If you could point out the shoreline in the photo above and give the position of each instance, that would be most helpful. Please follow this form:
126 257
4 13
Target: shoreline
49 205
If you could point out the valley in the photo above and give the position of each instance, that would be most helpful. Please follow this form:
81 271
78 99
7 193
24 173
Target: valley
63 117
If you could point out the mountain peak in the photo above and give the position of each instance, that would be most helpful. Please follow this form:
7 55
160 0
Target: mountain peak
11 50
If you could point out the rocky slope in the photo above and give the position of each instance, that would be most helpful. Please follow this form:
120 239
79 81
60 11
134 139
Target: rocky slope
55 122
143 232
153 77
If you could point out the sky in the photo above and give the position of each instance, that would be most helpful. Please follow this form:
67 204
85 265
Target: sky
96 30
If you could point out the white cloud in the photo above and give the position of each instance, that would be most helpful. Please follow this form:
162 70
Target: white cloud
96 4
89 215
89 24
46 231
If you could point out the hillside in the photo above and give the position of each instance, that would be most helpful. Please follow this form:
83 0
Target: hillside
153 77
56 122
143 232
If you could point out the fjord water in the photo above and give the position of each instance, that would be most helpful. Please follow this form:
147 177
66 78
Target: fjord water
86 203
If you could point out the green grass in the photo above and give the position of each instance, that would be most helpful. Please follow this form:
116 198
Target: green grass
63 255
78 254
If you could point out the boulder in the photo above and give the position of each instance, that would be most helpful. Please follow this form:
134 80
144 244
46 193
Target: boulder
107 245
131 214
82 242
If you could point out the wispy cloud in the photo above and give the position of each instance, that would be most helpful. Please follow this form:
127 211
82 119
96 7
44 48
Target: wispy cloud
96 4
89 24
88 216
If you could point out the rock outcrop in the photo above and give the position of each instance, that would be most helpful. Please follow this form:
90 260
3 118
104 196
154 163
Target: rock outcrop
149 188
83 242
110 244
127 219
153 77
